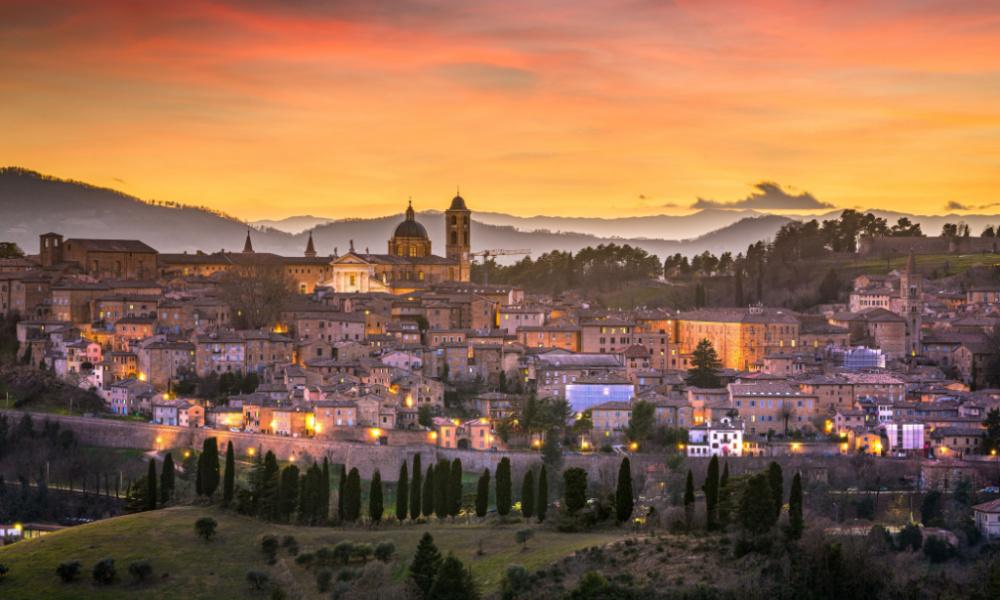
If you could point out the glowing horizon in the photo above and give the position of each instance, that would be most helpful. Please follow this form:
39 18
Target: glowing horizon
336 109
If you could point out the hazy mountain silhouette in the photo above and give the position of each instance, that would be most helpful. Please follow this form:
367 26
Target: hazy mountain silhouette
31 204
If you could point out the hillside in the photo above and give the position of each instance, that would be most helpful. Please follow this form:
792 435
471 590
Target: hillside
187 568
33 204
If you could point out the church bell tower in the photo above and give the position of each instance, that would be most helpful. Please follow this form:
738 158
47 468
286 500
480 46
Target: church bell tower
458 220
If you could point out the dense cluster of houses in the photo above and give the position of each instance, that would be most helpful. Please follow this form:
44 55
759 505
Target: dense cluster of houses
890 372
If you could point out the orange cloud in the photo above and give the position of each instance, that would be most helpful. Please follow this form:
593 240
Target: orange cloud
267 108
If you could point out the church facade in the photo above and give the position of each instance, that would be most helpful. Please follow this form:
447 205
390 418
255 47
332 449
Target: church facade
409 263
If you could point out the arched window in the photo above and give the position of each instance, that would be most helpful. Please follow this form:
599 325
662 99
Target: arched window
420 275
454 220
454 237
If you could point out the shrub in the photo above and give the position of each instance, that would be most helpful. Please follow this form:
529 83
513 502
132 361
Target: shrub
343 552
937 550
288 541
347 574
324 577
363 551
3 570
104 571
305 559
140 570
68 571
910 538
384 551
522 537
257 579
205 527
515 581
269 546
278 593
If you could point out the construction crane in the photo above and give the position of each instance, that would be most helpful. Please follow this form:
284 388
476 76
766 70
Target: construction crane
488 254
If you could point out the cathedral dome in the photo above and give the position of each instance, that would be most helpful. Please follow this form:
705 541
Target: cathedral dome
458 203
410 228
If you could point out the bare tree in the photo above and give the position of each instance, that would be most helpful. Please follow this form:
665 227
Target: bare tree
257 292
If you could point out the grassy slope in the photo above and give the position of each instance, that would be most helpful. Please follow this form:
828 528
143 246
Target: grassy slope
217 569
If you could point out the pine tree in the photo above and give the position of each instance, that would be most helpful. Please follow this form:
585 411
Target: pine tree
167 479
427 506
151 494
624 502
425 565
416 488
725 497
352 500
705 365
528 494
777 483
453 581
229 483
442 479
455 488
288 492
542 505
375 507
402 492
269 488
738 287
322 508
341 492
795 521
483 494
503 485
711 489
689 499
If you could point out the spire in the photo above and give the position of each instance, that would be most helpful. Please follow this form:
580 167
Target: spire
310 248
409 211
911 263
248 245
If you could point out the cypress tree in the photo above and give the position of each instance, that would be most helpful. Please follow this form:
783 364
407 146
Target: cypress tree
288 492
542 506
711 489
795 521
776 481
256 481
229 484
428 495
738 287
689 499
341 491
624 502
528 494
306 508
167 479
322 508
483 494
442 487
725 497
425 565
209 476
151 494
503 483
197 475
375 508
756 507
269 488
402 492
455 488
352 502
416 488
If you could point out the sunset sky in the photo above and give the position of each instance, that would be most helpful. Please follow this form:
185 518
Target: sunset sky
346 108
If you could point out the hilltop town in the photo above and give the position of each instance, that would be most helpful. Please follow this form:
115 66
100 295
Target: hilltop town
370 358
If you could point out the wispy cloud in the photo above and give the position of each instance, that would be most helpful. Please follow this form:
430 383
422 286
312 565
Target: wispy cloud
953 205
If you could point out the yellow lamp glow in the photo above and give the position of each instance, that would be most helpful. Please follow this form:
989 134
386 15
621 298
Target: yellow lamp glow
633 446
433 436
375 432
250 451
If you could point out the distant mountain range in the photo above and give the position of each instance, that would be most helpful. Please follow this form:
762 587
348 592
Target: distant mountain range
31 204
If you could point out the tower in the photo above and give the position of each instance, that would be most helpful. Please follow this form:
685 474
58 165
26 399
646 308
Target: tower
310 248
50 249
457 221
911 289
248 245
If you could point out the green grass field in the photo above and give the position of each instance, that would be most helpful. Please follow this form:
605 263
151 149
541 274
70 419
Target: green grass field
186 567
